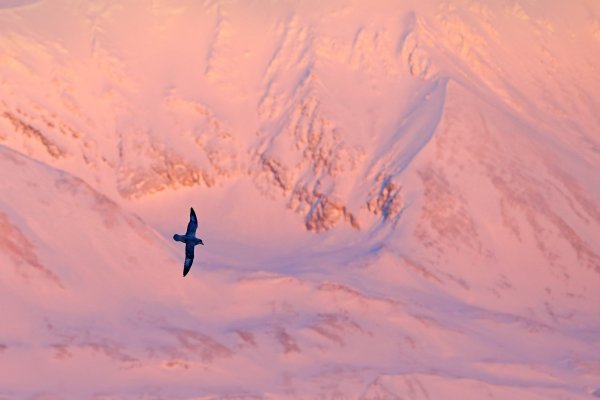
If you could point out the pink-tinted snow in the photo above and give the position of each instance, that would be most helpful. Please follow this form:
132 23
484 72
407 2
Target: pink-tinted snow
398 200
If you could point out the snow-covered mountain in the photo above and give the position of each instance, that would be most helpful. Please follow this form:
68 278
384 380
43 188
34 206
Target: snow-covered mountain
399 200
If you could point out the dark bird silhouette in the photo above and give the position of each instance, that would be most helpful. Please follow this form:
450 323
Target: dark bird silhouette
190 241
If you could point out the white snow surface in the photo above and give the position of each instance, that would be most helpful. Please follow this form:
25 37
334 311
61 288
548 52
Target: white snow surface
398 200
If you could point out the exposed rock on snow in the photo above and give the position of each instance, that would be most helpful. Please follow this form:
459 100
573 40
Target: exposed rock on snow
323 212
386 200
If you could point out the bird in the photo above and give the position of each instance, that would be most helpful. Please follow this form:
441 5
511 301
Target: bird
190 241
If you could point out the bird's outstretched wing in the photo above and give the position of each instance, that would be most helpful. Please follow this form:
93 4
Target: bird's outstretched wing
193 224
189 258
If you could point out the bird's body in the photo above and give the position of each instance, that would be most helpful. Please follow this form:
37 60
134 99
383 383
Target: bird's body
187 239
190 241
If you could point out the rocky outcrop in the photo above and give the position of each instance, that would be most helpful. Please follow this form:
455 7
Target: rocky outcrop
164 170
386 200
208 153
314 150
30 131
321 212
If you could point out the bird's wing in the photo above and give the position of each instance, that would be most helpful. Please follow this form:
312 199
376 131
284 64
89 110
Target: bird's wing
189 258
193 224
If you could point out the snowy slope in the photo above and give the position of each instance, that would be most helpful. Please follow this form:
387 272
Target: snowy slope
397 200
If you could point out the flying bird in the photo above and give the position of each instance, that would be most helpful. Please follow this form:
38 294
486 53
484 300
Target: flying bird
190 241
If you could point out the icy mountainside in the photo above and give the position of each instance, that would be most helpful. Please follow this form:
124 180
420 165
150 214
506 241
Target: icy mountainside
427 173
92 317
